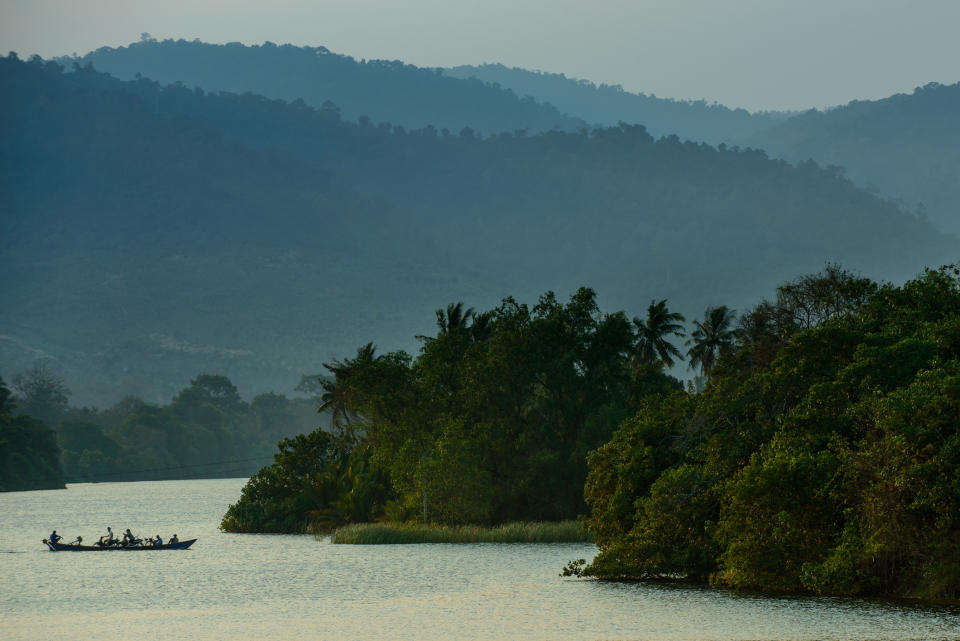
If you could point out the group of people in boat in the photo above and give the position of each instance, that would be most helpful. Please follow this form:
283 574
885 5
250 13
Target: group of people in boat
127 540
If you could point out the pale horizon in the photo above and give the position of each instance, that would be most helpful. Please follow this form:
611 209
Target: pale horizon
770 55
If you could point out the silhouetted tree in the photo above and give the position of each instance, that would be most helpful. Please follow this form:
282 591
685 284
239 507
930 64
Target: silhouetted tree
652 334
339 396
452 318
41 393
711 338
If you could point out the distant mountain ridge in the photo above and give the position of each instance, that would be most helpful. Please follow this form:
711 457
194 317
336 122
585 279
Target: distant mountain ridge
381 90
140 250
609 104
906 146
153 232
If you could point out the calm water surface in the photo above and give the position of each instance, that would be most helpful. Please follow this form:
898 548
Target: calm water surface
235 586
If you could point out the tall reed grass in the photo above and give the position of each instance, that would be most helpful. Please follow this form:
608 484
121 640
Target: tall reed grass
394 533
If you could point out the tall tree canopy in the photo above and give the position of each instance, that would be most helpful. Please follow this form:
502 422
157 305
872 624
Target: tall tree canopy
653 334
823 455
492 421
711 337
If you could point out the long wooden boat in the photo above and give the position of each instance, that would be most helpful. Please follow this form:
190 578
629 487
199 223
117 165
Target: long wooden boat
68 547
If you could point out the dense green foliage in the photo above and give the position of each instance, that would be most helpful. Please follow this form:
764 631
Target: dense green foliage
167 231
380 90
491 423
905 146
406 533
316 482
610 104
823 455
28 450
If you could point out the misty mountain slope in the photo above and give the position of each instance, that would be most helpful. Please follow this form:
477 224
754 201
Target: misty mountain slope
154 232
138 251
905 146
610 104
381 90
684 192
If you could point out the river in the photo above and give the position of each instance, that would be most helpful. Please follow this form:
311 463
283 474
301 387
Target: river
266 587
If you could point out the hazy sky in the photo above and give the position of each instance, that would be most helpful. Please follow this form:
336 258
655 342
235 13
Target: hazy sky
759 54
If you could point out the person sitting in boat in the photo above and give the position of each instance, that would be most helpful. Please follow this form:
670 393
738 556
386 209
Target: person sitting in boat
128 538
107 539
173 539
54 537
158 542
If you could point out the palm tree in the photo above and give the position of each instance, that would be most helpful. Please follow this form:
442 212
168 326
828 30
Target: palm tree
711 338
652 334
452 318
338 396
481 327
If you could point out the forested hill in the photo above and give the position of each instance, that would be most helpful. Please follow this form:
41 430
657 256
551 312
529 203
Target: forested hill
150 233
906 146
381 90
138 250
610 104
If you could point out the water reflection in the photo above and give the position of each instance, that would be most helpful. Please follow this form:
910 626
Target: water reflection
291 587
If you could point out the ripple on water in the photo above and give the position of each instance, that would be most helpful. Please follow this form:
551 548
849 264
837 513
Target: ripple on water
267 587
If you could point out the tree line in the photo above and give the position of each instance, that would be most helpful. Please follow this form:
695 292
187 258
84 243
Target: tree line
206 431
490 423
819 452
823 455
28 450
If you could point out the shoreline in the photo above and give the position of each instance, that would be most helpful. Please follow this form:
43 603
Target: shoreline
409 534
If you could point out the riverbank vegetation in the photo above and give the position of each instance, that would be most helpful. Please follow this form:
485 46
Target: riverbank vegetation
490 424
401 533
823 456
819 453
28 450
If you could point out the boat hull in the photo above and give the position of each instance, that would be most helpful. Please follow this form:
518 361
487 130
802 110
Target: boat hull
62 547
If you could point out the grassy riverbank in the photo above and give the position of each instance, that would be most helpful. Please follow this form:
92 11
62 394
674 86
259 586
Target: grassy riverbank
393 533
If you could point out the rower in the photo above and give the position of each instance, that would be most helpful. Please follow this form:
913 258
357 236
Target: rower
107 539
159 541
54 537
173 539
128 538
